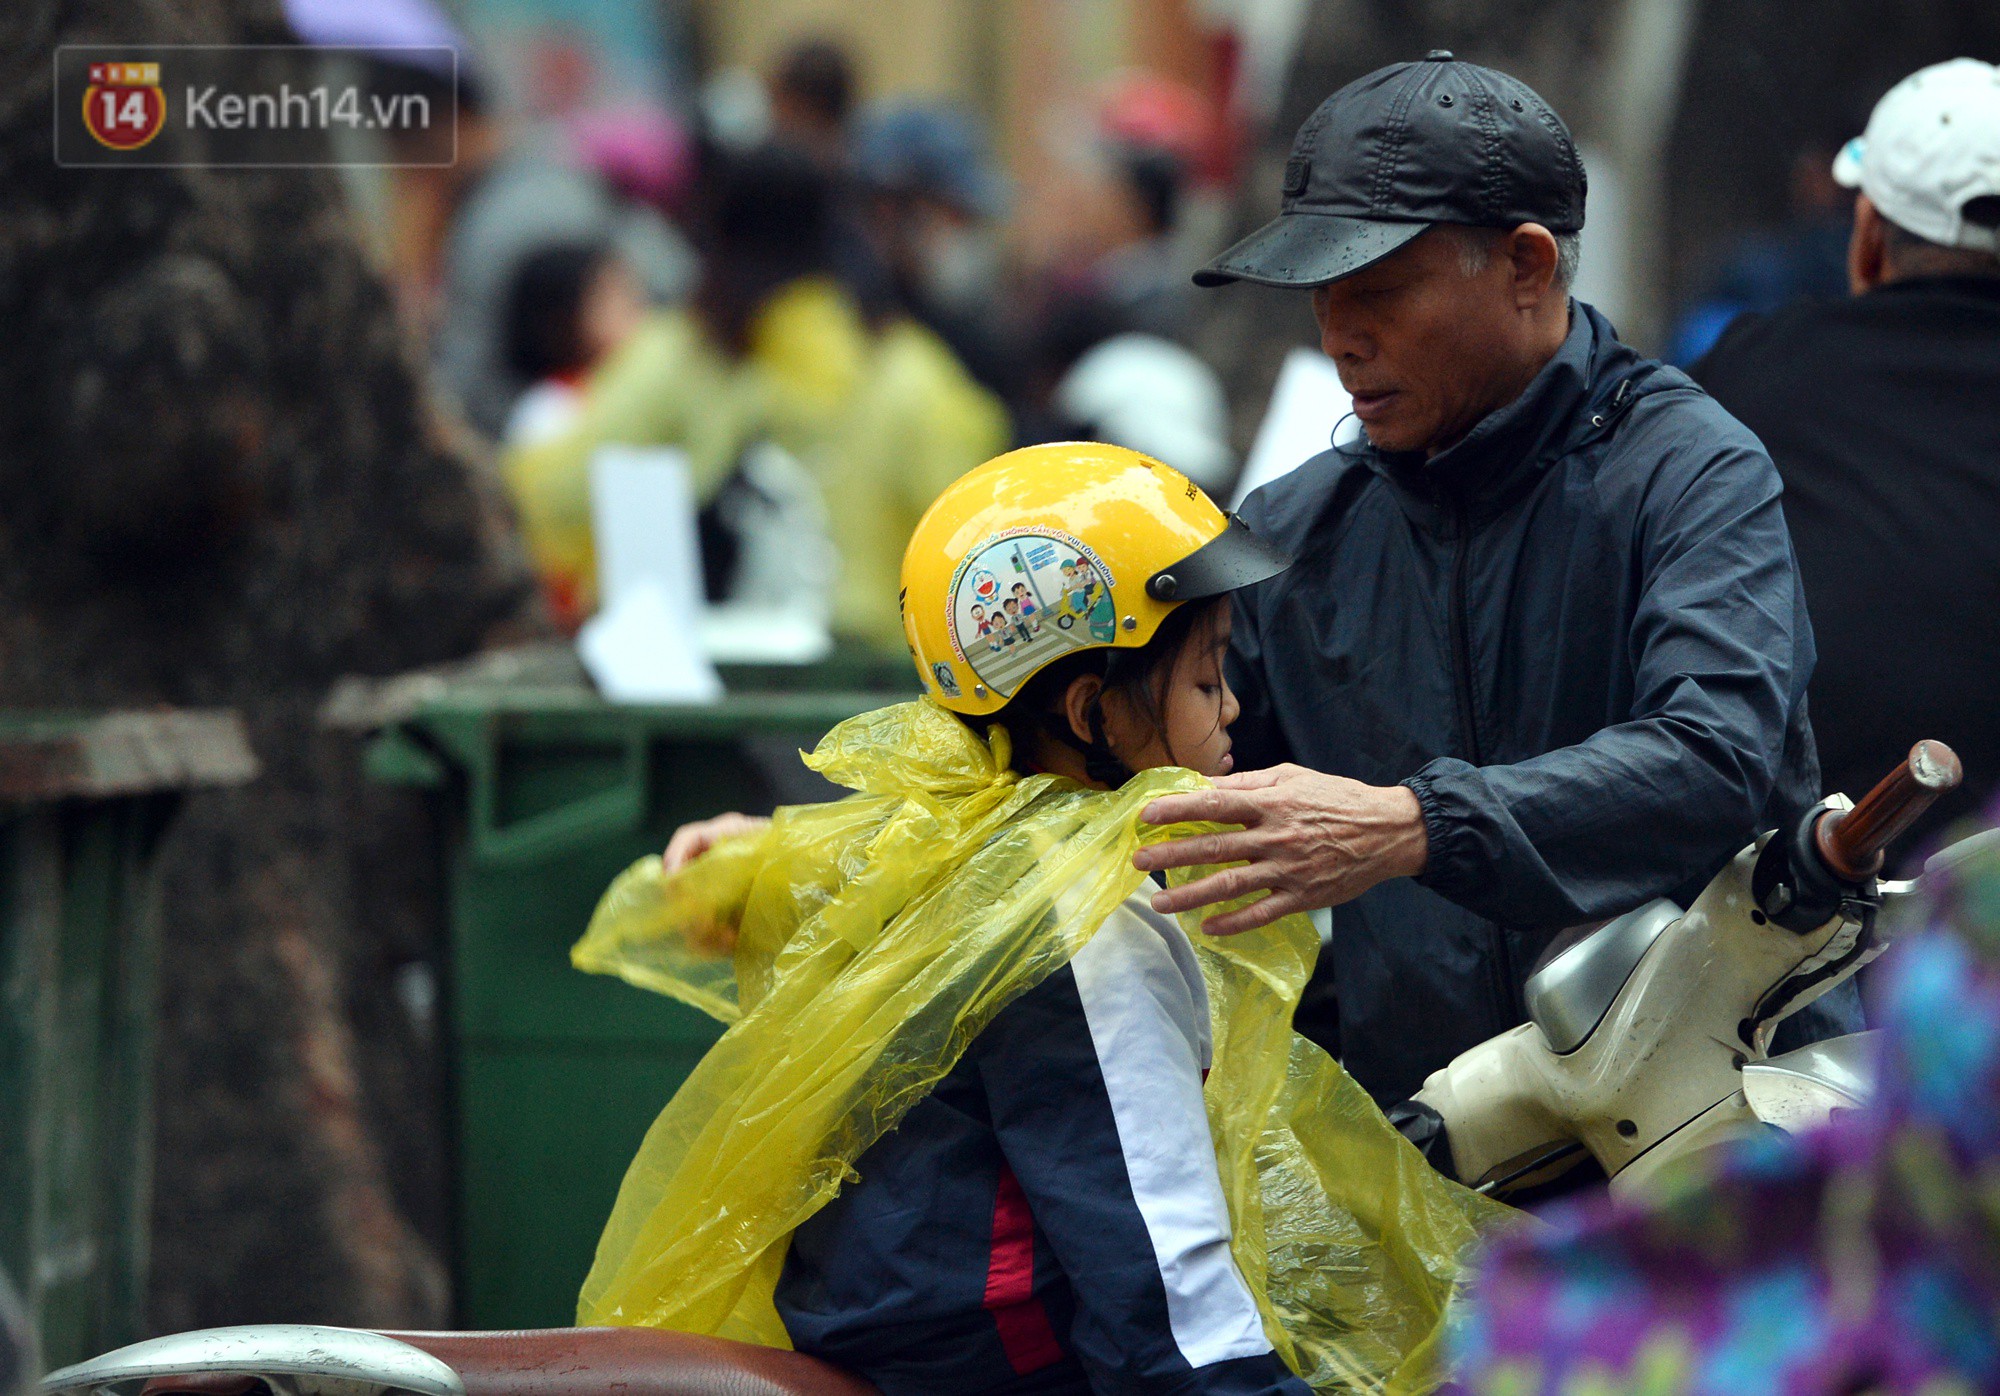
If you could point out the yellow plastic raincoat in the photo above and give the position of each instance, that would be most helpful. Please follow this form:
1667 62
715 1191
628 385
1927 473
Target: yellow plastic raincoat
856 948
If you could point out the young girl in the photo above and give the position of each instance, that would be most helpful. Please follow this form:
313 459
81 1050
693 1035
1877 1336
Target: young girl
953 986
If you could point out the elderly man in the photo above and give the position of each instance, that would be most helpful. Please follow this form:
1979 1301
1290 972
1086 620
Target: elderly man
1883 415
1544 654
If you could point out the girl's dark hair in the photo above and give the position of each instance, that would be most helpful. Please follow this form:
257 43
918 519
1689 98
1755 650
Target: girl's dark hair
1140 674
543 327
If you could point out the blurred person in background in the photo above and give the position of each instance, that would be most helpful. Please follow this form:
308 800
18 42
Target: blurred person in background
1103 356
1882 412
924 415
1089 376
770 348
1152 131
930 203
1155 396
917 423
812 96
644 156
1806 259
569 306
466 215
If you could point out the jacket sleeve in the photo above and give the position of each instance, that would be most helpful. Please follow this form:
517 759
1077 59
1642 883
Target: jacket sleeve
1721 651
1094 1082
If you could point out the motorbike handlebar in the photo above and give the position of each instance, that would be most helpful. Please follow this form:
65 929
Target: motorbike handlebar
1850 842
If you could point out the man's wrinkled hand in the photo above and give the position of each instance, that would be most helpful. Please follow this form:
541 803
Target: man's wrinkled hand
690 841
1307 839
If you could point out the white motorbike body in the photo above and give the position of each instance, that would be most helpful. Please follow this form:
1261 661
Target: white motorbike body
1649 1039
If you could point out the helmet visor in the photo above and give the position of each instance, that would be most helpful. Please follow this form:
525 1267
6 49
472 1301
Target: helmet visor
1235 558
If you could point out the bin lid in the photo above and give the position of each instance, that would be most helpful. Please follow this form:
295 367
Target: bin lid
46 756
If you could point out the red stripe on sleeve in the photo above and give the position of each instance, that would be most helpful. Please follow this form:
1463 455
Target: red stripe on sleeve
1025 1334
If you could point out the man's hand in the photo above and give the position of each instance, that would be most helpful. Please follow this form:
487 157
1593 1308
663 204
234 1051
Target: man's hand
690 841
1311 840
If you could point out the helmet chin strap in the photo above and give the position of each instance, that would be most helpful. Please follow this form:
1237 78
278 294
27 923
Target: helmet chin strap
1099 762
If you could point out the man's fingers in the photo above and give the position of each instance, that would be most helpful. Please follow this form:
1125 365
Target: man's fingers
1259 913
1220 886
1251 780
1202 806
1237 846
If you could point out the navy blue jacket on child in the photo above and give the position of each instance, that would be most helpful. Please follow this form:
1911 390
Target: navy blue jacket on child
1050 1219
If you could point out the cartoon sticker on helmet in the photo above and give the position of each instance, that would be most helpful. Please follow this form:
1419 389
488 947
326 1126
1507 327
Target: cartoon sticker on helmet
1025 599
947 682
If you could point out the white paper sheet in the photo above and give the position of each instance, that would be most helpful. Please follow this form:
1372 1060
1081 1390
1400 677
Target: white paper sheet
643 649
643 645
1306 405
642 513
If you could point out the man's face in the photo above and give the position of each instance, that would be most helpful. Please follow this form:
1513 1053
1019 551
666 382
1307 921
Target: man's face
1425 349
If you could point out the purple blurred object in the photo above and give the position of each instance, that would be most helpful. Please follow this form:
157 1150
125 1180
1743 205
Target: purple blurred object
381 25
641 152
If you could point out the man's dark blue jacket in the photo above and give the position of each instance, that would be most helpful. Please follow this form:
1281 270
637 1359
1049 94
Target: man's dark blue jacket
1579 637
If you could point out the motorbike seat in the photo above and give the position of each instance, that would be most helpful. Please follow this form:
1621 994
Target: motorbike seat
1574 988
306 1360
628 1361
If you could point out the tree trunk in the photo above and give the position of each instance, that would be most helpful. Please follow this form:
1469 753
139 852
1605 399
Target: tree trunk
221 483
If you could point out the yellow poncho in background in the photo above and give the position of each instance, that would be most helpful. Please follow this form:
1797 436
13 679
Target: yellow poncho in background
856 948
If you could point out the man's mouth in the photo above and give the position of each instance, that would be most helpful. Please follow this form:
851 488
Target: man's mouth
1370 405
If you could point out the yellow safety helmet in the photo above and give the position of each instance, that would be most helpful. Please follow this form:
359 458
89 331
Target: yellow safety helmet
1053 549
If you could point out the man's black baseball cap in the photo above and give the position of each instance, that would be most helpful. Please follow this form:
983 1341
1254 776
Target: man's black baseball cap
1436 141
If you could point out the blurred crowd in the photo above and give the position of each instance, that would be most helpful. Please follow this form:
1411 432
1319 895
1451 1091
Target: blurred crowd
832 308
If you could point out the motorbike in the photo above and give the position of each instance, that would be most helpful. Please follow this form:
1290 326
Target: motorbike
1648 1036
1647 1041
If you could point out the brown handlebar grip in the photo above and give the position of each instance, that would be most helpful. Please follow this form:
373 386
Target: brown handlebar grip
1852 841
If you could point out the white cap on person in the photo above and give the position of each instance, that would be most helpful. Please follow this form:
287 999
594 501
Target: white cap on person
1932 147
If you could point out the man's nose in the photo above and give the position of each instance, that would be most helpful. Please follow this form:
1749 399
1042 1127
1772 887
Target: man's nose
1343 336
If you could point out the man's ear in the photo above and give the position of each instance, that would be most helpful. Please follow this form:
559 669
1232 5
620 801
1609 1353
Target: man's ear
1083 691
1531 256
1867 248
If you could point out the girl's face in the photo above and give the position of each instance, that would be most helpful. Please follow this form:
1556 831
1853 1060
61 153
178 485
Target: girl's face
1195 705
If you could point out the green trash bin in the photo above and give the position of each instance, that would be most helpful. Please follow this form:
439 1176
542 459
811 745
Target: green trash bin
558 1074
83 800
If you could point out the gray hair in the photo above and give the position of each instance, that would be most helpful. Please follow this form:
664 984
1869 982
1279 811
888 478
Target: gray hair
1475 252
